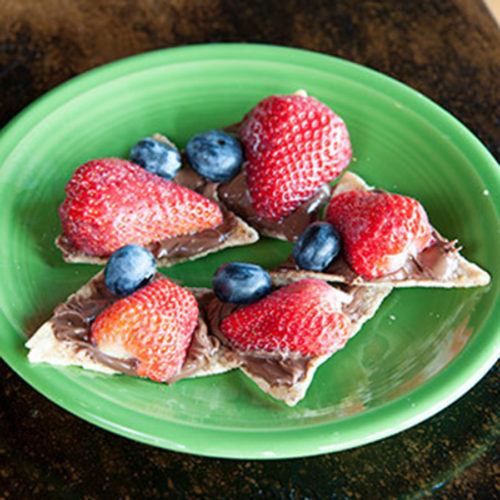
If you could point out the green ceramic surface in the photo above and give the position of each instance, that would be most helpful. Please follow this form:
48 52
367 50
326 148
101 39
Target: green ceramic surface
422 350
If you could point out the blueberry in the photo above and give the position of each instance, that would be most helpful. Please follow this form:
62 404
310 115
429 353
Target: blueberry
215 155
129 268
317 246
241 283
156 157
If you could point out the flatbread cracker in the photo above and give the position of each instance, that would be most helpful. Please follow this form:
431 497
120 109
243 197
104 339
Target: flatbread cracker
44 346
241 234
365 302
360 304
461 273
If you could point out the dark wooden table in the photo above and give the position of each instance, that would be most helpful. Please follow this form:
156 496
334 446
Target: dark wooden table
447 49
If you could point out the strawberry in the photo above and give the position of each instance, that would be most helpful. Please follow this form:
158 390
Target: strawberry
112 202
293 145
379 230
154 325
303 318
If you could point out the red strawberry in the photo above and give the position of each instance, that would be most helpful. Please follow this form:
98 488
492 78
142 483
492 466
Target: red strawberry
112 202
293 145
379 230
304 317
154 324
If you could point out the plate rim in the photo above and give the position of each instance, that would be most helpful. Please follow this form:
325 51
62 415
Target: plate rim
286 443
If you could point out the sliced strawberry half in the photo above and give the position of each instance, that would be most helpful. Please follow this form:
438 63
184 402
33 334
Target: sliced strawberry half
112 202
293 145
154 325
379 230
303 318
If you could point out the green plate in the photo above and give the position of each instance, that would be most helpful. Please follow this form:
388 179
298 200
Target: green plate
422 350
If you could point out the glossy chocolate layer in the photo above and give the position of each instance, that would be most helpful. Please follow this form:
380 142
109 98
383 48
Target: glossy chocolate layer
438 261
190 245
275 369
181 246
236 196
187 177
73 319
200 353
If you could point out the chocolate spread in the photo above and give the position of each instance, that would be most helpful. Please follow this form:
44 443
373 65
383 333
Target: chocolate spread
438 261
275 369
188 245
73 319
236 196
174 247
187 177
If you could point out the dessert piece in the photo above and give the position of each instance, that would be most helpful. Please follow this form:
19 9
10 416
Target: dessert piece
158 329
156 332
112 202
386 239
153 326
236 196
294 146
282 339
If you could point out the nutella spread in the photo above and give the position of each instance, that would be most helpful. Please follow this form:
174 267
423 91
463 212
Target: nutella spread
236 196
275 369
184 245
338 267
73 319
72 322
437 261
188 245
187 177
203 346
180 246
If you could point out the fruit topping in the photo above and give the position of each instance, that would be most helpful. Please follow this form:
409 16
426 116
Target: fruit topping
303 318
241 283
154 325
111 202
215 155
380 231
156 157
317 246
129 268
293 145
